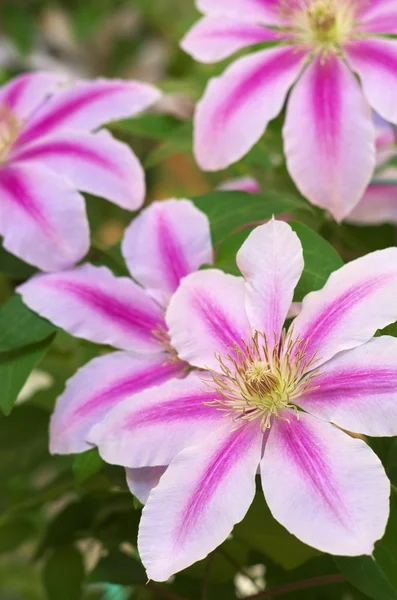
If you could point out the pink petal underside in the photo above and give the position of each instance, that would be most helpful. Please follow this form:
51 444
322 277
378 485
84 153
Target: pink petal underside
98 387
375 61
166 242
378 205
205 491
87 105
25 93
91 303
271 261
142 481
255 11
95 163
237 106
214 38
241 184
327 488
42 218
206 317
325 112
357 389
159 423
352 305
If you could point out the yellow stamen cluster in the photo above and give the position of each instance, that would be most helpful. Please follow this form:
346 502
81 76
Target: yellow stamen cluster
9 130
259 380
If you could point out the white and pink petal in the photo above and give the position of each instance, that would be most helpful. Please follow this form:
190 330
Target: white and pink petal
255 11
378 205
141 481
21 96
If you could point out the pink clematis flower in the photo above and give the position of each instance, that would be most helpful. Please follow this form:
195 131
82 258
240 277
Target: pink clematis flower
49 149
328 134
164 243
266 399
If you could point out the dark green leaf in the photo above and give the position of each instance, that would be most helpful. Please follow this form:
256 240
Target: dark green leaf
15 532
151 126
13 266
64 574
17 25
86 465
118 567
19 326
15 368
320 260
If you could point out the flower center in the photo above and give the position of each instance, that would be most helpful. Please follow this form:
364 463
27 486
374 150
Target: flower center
324 23
9 131
258 381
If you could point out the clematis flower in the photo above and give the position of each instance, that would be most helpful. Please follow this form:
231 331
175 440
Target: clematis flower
268 399
164 243
49 149
322 46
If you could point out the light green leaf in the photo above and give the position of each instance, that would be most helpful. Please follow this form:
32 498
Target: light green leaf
86 465
19 326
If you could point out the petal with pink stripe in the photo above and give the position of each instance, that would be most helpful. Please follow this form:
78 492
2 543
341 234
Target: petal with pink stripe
166 242
141 481
150 429
325 112
375 61
352 305
214 38
257 11
378 205
89 104
205 491
95 163
207 317
25 93
42 218
271 261
237 106
328 489
357 389
91 303
97 388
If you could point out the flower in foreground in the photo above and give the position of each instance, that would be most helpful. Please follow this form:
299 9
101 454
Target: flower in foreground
266 399
164 243
322 44
49 149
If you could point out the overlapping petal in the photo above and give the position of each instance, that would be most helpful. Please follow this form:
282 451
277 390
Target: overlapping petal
271 261
357 389
214 38
375 61
142 481
153 426
353 304
207 317
325 487
205 491
251 91
25 93
378 205
87 105
327 109
90 302
95 163
166 242
262 11
42 218
97 388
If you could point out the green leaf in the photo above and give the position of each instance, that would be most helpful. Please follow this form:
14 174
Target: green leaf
118 567
231 211
151 126
178 142
14 533
17 25
261 532
19 326
86 465
64 574
15 368
320 260
375 576
11 265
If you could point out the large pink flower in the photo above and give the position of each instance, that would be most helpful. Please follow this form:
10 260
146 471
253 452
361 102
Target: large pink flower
275 401
167 241
48 151
328 134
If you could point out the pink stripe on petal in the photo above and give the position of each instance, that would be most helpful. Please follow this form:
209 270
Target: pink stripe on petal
375 61
251 92
327 109
205 491
90 302
158 424
352 305
357 389
99 386
327 488
25 93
